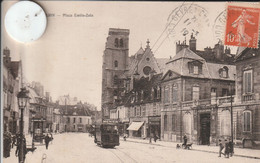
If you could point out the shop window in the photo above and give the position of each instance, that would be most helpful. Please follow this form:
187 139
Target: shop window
247 121
247 81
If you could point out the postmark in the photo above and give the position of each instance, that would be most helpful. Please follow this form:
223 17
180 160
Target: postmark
242 26
187 19
218 28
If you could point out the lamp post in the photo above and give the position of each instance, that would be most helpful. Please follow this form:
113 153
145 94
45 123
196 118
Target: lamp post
231 114
22 102
33 115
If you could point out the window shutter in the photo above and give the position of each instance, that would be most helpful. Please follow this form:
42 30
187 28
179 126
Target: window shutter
249 82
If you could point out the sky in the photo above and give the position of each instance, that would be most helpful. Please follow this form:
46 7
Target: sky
67 59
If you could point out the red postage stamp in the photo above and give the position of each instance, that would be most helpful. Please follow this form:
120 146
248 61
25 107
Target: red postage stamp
242 26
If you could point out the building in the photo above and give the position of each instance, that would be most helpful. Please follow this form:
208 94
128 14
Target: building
190 89
128 83
246 111
36 116
115 64
170 97
11 86
76 118
58 120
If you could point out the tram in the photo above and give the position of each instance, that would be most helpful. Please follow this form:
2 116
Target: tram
106 135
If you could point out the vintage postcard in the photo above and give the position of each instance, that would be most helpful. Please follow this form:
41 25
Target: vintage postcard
130 81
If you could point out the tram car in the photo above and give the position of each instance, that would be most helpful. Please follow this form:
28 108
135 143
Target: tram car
106 135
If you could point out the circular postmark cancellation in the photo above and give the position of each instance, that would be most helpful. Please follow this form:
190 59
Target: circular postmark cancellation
185 20
219 25
25 21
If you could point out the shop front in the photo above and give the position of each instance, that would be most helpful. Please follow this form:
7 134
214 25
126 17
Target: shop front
154 126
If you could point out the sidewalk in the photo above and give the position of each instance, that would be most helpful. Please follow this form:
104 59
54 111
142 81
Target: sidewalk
239 152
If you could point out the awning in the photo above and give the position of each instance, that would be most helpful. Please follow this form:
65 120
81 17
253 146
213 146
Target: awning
135 126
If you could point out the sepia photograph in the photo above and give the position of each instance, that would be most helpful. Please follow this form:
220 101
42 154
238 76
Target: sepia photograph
130 81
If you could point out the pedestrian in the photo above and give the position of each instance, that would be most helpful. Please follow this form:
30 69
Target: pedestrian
151 136
47 140
155 137
51 138
125 136
21 149
227 150
221 147
231 147
185 139
7 144
13 140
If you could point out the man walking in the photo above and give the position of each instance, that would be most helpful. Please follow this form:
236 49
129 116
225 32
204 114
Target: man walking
185 140
47 140
221 147
21 149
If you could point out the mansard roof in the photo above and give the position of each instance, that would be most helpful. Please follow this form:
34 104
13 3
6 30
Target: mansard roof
179 65
187 53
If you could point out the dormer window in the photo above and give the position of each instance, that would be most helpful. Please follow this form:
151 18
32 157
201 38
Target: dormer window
223 72
195 67
196 70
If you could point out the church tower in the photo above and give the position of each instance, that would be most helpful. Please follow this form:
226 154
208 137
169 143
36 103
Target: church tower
115 64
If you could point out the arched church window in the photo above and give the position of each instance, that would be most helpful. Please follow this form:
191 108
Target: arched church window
116 63
121 43
115 80
116 42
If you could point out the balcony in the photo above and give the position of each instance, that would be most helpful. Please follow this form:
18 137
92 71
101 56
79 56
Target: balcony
250 97
225 100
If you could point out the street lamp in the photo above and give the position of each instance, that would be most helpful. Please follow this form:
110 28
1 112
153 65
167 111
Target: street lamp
22 102
33 115
231 114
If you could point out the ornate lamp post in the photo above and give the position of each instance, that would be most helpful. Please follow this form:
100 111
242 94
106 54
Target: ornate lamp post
22 102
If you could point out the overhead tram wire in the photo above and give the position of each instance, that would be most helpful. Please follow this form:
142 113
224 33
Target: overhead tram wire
173 28
166 27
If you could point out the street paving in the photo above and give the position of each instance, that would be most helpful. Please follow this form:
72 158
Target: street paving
80 148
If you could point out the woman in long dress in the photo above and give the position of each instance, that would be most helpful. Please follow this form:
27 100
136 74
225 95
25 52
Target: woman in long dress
239 23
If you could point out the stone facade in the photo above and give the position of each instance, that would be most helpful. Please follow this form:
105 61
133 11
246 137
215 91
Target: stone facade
246 112
190 92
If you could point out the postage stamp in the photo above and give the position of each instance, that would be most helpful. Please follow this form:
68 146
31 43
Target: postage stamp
242 26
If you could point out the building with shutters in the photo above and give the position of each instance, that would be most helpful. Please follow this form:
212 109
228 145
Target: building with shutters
246 111
195 90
